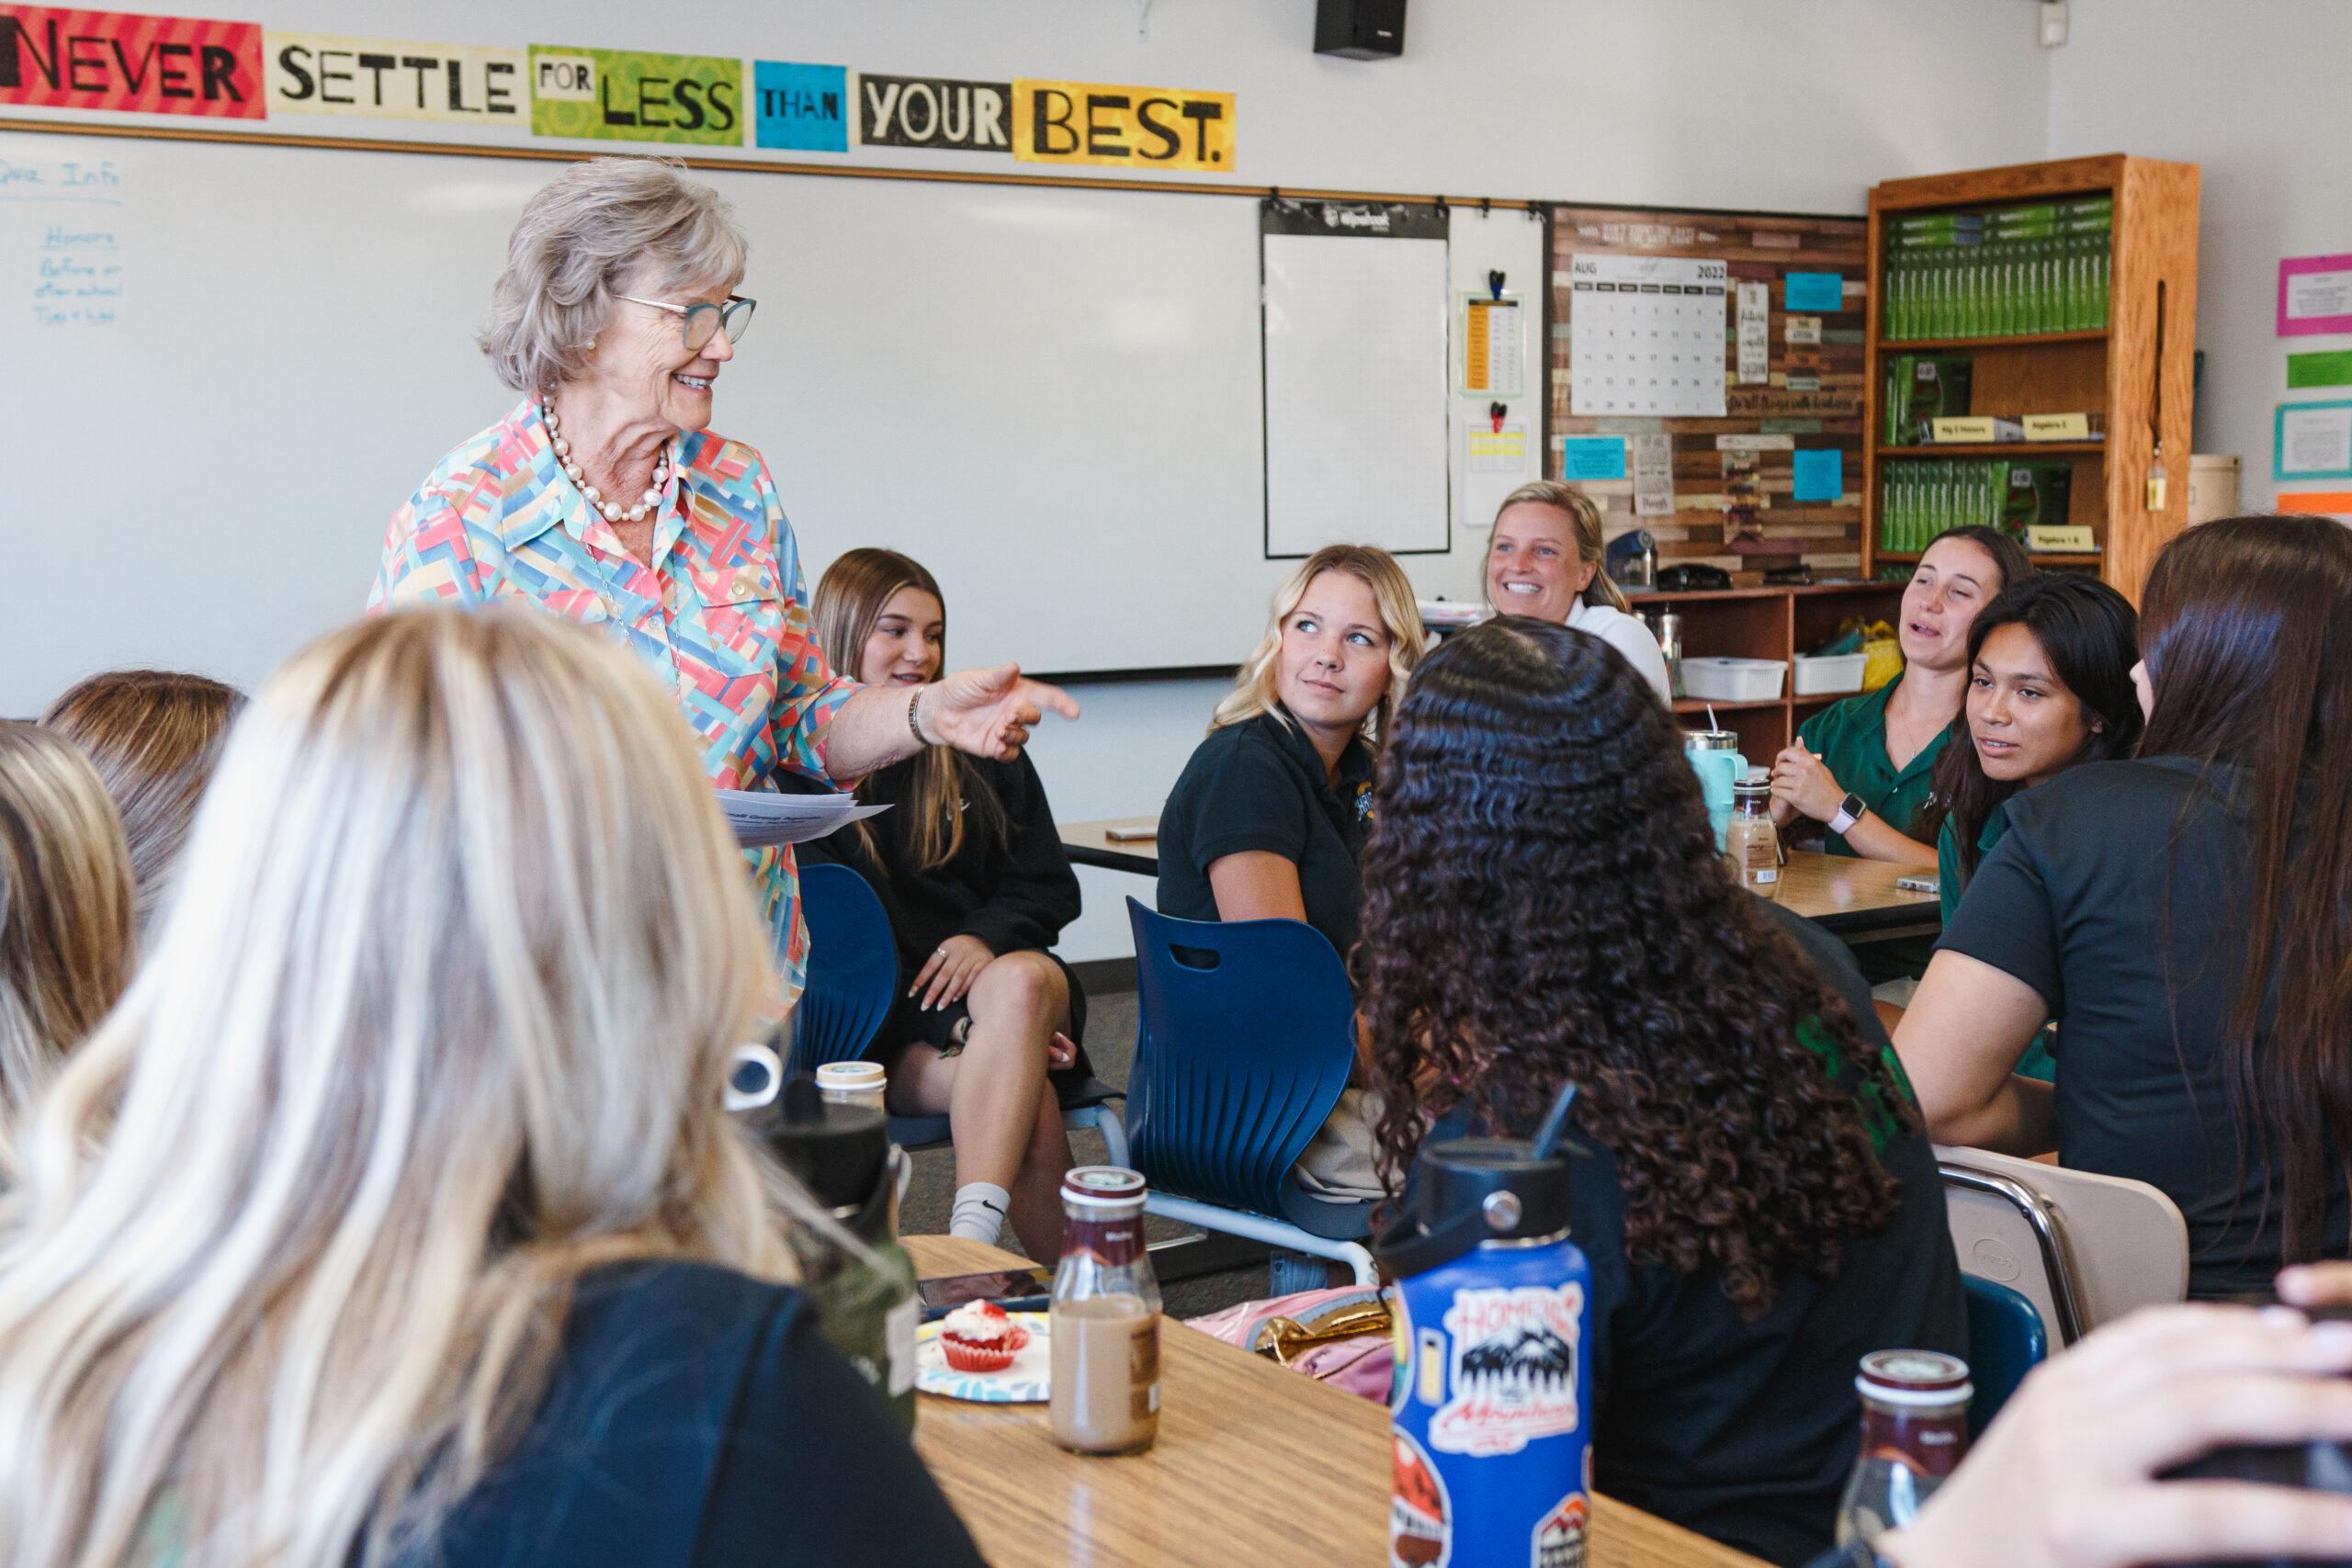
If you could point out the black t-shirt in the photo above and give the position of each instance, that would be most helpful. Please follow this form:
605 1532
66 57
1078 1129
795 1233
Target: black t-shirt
1013 890
696 1419
2073 903
1746 1431
1260 784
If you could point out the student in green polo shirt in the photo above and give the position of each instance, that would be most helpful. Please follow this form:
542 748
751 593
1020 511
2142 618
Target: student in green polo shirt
2049 687
1865 767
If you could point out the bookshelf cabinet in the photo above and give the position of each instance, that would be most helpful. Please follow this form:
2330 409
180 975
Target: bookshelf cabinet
1766 623
2135 371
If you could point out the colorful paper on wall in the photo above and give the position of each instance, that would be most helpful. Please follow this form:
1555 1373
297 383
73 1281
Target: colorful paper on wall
391 79
2314 295
114 60
2335 503
1820 474
2312 441
2332 369
1592 458
1491 349
1139 128
805 108
1812 291
617 95
929 111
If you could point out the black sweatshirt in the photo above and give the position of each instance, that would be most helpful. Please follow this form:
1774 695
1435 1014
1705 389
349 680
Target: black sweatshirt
1014 891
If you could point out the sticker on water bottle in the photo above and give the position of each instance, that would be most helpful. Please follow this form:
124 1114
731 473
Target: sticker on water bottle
1514 1368
1420 1519
1559 1536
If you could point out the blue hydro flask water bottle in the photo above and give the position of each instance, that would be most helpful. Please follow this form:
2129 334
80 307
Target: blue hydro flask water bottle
1492 1405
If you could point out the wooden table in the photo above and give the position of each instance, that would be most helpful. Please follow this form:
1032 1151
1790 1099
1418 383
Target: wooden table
1855 898
1086 845
1254 1465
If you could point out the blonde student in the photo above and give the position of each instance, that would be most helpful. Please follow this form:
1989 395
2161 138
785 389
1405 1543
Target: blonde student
66 908
1543 560
1269 819
393 1217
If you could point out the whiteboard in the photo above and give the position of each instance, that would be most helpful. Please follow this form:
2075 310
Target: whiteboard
1355 392
1052 397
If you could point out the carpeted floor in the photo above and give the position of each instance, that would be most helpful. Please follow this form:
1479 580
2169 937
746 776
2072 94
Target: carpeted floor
1111 1044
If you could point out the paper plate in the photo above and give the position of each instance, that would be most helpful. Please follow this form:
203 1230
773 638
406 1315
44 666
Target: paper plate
1029 1380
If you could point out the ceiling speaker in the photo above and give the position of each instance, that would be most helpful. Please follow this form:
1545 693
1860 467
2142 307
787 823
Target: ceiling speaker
1360 29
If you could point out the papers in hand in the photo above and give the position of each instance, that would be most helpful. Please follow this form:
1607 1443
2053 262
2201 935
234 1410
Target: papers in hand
762 821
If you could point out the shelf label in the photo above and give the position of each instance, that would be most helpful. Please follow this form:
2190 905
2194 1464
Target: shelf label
2057 426
2062 538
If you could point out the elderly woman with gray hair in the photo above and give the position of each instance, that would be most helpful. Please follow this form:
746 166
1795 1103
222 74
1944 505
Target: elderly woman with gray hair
605 497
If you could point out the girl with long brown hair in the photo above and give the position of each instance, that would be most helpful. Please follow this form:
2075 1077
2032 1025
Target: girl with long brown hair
2186 918
1543 903
971 871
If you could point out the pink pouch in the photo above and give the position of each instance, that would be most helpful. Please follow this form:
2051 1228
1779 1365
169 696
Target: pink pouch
1361 1364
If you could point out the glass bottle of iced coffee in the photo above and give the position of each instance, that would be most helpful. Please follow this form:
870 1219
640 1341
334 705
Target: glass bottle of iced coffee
1750 843
1104 1317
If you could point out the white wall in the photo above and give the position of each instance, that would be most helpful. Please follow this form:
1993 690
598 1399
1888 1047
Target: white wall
2252 91
1797 104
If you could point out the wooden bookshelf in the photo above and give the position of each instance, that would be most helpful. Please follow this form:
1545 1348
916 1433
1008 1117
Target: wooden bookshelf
2119 369
1767 623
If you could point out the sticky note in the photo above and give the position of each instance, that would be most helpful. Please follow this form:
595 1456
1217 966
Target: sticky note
1814 291
1592 458
1821 473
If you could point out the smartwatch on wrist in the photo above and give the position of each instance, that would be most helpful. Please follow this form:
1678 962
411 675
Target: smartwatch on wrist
1850 811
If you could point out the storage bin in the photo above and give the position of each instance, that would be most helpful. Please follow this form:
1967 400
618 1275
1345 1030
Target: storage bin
1733 680
1820 673
2212 486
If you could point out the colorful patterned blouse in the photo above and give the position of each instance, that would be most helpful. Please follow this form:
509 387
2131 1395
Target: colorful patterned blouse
721 619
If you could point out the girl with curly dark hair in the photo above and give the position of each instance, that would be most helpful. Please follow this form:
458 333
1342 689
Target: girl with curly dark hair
1544 901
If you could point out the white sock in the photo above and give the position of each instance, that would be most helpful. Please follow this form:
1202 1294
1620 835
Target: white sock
980 1211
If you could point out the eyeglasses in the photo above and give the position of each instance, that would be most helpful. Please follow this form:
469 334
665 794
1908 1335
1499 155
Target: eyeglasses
701 322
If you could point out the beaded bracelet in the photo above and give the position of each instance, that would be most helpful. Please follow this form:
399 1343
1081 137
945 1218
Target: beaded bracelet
912 724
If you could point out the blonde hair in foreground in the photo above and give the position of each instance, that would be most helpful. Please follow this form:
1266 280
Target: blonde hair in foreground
66 908
439 1019
1253 685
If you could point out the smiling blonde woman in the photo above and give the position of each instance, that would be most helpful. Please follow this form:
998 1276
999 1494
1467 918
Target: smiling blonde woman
1543 560
392 1217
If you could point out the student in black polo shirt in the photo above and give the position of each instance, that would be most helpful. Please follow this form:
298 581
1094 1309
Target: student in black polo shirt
2186 918
1543 902
1267 820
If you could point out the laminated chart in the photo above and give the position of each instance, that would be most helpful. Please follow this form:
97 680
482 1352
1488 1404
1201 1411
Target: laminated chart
1646 336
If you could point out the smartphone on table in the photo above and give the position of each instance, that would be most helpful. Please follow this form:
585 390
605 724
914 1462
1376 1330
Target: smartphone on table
1014 1289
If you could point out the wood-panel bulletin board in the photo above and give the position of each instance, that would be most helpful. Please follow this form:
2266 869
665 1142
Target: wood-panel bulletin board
1735 501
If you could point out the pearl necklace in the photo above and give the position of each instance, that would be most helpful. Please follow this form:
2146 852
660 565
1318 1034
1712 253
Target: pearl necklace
611 509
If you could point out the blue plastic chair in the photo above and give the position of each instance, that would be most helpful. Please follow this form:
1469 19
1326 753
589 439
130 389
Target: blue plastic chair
852 982
1244 1040
852 968
2006 1340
